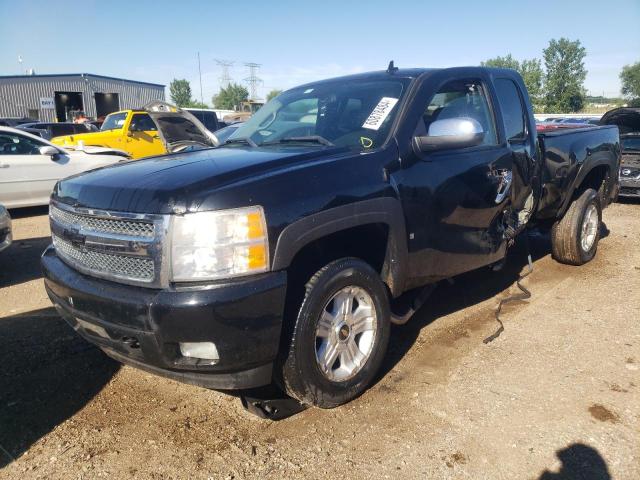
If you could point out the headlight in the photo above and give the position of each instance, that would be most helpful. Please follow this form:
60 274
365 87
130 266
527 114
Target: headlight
221 244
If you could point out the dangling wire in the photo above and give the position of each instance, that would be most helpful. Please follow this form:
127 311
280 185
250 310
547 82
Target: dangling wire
526 294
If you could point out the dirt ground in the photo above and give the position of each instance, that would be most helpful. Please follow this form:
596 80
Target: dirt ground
556 396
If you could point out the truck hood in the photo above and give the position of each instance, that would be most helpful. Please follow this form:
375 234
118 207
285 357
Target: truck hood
180 182
626 118
179 128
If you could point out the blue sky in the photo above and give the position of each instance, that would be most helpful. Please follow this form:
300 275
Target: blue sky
298 42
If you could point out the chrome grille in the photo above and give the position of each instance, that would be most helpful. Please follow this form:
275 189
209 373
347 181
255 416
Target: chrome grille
121 266
135 228
118 246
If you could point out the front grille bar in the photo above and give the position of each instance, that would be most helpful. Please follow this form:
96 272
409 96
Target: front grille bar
134 228
120 266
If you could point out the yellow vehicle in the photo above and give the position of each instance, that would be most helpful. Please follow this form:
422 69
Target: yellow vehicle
157 129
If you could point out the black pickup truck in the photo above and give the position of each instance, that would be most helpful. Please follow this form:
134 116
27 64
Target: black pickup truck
284 255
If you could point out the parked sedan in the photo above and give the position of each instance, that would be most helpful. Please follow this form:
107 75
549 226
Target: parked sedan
5 228
30 166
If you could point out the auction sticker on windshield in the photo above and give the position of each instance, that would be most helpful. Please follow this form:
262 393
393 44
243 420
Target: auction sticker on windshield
380 113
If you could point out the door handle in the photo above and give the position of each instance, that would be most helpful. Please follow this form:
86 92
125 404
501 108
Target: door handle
4 165
505 177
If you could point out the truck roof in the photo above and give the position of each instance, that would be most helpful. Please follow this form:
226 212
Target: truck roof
412 73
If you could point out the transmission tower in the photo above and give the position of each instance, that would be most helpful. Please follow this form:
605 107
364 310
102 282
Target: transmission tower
225 78
253 80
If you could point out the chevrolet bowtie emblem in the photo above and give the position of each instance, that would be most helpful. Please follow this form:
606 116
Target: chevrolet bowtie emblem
75 238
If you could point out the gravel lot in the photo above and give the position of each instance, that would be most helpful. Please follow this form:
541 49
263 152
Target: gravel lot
556 396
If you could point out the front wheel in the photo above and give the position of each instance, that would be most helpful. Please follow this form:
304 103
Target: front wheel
340 336
574 238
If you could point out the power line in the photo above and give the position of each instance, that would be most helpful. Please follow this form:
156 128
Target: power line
253 80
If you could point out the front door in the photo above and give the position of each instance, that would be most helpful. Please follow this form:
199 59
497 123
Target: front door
455 199
142 137
26 176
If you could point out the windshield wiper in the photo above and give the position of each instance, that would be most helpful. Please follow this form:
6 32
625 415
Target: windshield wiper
308 139
245 140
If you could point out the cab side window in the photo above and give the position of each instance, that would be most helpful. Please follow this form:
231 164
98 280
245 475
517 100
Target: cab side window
512 109
11 144
141 122
462 99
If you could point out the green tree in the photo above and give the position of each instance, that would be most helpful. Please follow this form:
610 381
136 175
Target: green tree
532 74
565 75
502 62
231 97
197 104
273 93
630 78
530 70
180 91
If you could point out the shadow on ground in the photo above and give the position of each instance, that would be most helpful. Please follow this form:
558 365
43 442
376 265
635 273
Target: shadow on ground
47 373
21 261
628 200
468 289
29 211
581 462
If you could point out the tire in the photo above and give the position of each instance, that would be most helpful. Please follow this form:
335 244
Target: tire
320 334
574 238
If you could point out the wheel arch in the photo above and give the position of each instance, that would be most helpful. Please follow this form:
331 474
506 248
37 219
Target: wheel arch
596 177
364 218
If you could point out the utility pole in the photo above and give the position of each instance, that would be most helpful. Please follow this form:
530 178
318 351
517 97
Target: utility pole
253 80
200 73
225 78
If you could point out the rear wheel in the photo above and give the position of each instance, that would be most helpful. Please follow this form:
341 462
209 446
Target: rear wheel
574 238
340 336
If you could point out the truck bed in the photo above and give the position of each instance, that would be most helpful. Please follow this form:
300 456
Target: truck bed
564 153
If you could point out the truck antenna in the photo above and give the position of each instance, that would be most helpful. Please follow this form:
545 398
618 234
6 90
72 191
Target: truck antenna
391 68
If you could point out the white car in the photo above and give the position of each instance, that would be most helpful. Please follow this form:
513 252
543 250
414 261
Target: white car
30 166
5 228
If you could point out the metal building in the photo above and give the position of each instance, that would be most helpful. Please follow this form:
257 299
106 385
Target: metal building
57 97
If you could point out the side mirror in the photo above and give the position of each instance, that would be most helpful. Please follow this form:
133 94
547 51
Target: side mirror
49 150
451 133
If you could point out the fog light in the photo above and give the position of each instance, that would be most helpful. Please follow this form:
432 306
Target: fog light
202 350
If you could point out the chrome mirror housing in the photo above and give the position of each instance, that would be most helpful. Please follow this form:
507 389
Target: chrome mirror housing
451 133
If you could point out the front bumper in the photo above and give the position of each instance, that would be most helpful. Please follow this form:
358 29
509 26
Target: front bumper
5 237
5 229
142 327
629 187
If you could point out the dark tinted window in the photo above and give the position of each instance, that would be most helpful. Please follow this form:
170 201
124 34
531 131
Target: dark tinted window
512 110
142 122
58 130
208 119
12 144
82 128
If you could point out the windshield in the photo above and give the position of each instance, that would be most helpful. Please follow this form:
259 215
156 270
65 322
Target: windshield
631 143
356 113
114 121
